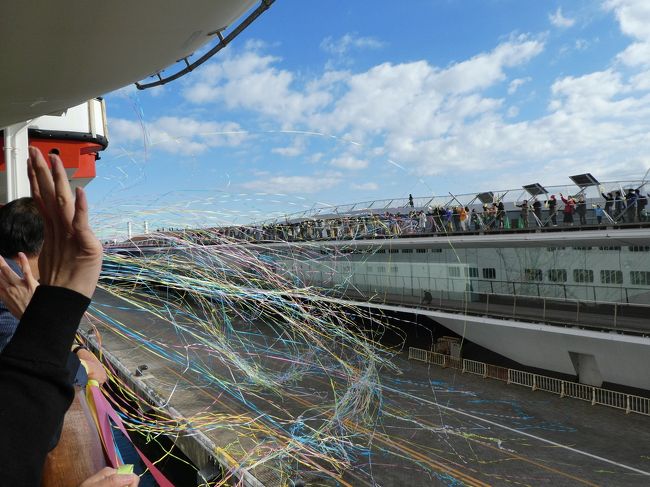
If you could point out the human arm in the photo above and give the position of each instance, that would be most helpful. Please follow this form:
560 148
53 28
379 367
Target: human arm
33 377
35 382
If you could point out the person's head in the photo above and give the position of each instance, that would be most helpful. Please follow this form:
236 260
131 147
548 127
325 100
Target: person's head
21 229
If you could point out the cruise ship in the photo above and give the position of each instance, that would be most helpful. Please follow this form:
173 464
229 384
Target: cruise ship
569 298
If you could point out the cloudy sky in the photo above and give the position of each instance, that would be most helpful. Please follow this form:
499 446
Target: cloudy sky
342 101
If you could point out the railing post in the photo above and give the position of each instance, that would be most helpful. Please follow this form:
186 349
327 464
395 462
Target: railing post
514 307
562 391
594 289
508 381
487 305
544 309
627 406
593 396
577 311
464 361
534 382
615 313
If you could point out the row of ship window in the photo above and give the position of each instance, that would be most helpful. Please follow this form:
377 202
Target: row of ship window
614 248
637 278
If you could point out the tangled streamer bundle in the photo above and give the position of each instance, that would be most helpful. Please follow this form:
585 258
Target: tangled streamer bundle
247 327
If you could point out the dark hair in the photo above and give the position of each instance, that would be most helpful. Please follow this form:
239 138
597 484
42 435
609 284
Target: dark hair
21 228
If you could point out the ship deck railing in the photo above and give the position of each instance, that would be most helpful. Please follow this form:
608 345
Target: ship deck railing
629 318
216 236
407 231
509 197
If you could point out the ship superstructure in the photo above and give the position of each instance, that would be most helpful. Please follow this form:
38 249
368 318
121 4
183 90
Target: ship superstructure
574 299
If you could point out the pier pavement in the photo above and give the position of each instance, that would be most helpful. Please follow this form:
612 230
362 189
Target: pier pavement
435 426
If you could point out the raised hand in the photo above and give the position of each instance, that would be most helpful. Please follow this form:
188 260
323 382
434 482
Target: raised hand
16 291
71 255
108 477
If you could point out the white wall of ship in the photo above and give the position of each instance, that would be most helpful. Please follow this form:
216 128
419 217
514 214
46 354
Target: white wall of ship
616 274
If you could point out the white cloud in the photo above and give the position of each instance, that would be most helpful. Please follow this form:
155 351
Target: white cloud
177 134
251 82
641 81
349 162
559 20
485 69
295 184
295 149
512 112
369 186
340 46
634 18
515 84
637 54
581 44
440 121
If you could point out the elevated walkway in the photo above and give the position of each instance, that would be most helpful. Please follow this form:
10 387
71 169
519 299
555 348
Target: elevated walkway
619 317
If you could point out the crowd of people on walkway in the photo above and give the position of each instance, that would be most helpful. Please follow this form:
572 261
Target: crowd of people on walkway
618 207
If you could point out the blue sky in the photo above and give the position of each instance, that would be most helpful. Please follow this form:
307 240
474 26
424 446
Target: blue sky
342 101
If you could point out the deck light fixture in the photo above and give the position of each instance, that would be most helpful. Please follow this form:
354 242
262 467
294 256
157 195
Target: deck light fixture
535 189
584 180
486 198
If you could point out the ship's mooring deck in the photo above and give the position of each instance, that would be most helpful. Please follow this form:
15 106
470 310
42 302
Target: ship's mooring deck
436 426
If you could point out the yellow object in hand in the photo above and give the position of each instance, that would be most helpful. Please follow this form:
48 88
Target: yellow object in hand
125 469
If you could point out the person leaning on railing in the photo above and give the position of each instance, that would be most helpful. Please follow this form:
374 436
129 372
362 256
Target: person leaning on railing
33 378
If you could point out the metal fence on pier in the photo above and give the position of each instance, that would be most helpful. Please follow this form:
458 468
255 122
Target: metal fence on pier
595 395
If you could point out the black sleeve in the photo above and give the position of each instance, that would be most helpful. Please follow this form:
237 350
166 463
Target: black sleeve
35 389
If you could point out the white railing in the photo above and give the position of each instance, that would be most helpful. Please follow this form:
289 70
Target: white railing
610 398
521 378
418 354
579 391
548 384
509 197
638 404
436 358
474 367
563 388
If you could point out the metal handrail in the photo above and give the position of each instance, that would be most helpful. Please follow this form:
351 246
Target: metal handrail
511 195
223 42
595 395
437 304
